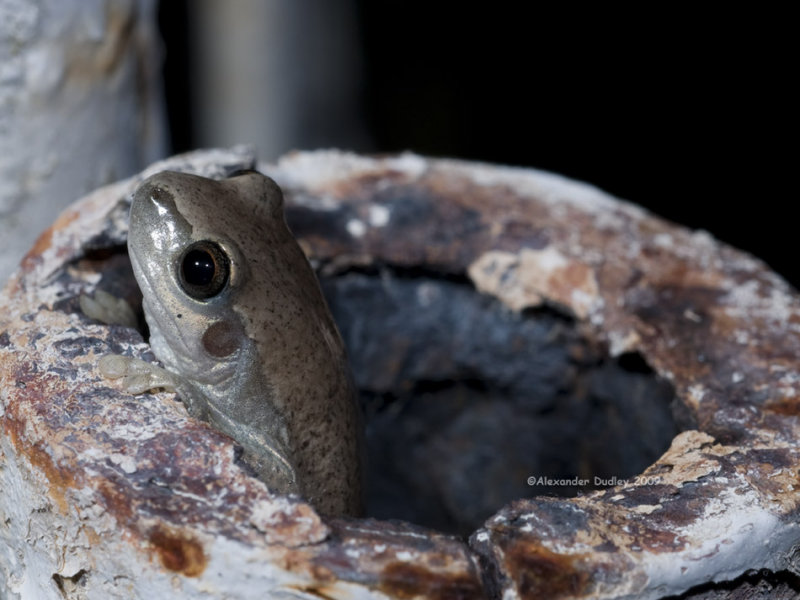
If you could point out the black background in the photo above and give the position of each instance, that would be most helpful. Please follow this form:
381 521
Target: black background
686 113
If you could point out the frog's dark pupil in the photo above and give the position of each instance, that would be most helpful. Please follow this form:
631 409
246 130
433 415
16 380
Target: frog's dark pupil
204 270
199 267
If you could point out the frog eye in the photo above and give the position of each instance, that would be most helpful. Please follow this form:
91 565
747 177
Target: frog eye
204 270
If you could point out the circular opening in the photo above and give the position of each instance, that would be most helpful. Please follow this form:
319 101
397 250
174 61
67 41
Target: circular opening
469 406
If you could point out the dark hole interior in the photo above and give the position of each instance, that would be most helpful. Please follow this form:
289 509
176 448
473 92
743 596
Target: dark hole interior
465 400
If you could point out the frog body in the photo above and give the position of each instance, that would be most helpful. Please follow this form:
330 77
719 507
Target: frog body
238 320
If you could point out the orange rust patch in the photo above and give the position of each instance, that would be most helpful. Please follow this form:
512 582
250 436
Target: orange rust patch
573 276
541 573
45 240
179 552
42 243
65 219
406 580
59 478
117 502
34 255
320 573
789 407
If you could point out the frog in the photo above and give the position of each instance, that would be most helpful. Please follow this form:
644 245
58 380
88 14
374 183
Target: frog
238 320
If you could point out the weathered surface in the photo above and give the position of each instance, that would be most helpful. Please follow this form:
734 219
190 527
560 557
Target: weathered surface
127 497
131 498
718 325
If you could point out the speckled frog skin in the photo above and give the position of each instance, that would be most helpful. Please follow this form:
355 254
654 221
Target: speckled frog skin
237 317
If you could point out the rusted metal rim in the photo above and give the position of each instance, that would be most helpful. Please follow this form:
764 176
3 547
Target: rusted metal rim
715 322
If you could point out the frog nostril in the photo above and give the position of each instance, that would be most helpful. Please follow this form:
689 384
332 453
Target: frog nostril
204 270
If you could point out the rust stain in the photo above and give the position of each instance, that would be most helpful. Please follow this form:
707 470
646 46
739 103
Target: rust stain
45 240
34 255
788 407
320 573
541 573
179 552
65 219
671 298
563 283
117 501
406 580
60 479
317 591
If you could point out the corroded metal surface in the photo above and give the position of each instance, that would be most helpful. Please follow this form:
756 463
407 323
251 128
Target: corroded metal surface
121 494
715 322
131 485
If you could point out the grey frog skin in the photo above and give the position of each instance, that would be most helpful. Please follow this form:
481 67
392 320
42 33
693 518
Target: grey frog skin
237 317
